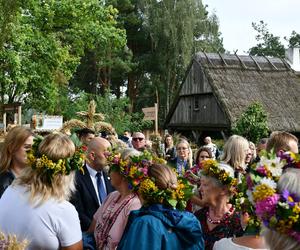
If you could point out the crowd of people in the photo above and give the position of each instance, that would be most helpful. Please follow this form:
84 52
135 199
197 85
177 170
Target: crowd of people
108 193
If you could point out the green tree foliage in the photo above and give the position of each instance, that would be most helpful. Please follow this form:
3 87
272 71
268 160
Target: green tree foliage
252 124
46 42
268 44
70 101
132 18
207 36
116 113
177 29
294 40
159 48
114 109
8 11
112 70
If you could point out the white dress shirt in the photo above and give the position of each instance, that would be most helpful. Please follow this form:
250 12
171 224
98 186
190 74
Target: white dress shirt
93 173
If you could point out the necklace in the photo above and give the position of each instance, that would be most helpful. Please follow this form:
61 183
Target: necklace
224 217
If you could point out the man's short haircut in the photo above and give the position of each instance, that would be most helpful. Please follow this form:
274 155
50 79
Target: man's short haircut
279 140
84 131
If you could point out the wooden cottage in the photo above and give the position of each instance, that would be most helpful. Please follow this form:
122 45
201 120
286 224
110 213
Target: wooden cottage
218 88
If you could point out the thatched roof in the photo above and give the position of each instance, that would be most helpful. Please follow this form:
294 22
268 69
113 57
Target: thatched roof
238 81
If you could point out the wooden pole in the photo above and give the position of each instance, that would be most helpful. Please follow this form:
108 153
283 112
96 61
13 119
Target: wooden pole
4 122
156 119
15 118
20 115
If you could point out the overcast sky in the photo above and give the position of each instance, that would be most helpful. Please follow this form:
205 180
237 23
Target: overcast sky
236 16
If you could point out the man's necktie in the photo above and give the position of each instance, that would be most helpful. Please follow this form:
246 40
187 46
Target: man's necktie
101 188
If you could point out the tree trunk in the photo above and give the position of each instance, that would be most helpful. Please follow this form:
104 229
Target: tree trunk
132 91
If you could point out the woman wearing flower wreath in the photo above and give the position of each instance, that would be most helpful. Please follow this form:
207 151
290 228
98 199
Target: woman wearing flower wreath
35 207
110 219
243 203
195 203
218 217
159 224
278 206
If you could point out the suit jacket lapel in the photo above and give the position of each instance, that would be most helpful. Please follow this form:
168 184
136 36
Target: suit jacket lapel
89 184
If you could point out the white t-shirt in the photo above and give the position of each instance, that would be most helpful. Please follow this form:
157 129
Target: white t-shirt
228 244
49 226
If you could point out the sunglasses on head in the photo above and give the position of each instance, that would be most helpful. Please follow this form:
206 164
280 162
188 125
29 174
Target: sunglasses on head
137 139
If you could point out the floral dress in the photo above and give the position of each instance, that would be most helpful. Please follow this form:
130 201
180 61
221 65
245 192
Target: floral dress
229 227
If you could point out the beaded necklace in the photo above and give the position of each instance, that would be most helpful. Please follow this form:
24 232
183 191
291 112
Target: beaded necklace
224 218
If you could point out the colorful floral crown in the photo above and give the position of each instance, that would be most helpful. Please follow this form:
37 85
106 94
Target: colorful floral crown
269 169
176 198
257 193
242 203
292 160
279 211
134 169
42 163
211 168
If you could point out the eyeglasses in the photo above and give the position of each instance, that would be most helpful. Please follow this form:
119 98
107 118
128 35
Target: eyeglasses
138 139
181 148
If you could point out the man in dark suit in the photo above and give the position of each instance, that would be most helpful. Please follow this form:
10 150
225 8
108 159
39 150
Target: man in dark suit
93 185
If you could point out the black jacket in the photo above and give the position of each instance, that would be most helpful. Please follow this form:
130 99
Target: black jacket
85 198
6 179
171 152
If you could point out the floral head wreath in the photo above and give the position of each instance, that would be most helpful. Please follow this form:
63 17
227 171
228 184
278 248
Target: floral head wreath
134 169
43 164
276 210
212 168
175 198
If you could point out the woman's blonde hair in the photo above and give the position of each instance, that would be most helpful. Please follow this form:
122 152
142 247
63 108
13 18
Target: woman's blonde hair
234 152
251 144
290 181
164 177
13 141
60 187
190 158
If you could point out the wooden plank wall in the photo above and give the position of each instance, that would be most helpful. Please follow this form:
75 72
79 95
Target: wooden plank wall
197 90
196 82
